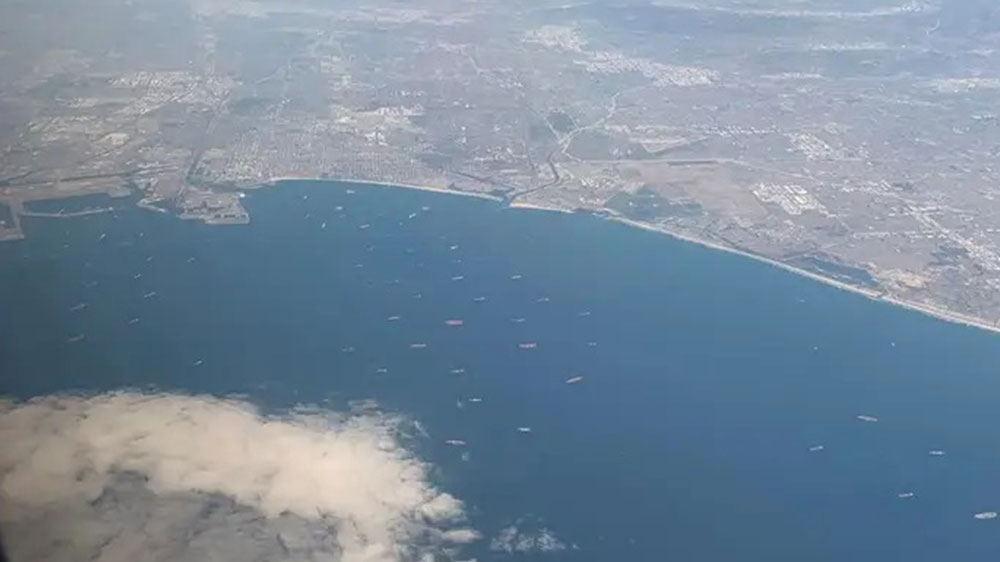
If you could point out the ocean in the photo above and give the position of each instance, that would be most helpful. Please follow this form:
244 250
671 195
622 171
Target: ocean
707 377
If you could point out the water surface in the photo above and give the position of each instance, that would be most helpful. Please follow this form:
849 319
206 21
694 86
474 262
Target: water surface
707 377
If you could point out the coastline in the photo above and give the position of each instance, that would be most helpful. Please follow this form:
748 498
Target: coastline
928 310
536 207
273 182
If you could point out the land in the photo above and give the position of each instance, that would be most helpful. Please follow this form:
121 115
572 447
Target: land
855 141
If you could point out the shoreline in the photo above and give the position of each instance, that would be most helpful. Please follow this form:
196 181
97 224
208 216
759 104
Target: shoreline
922 308
273 182
928 310
925 309
536 207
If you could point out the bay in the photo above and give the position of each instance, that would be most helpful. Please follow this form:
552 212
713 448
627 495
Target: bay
707 377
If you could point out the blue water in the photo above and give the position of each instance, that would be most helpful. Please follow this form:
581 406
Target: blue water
711 376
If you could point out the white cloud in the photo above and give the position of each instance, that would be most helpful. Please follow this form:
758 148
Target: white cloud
511 539
118 474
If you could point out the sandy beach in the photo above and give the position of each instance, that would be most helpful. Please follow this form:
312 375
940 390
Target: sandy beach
939 313
536 207
361 182
936 312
